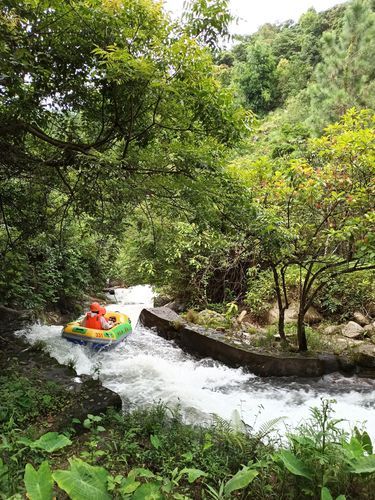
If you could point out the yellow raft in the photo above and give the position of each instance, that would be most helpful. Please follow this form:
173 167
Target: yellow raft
74 332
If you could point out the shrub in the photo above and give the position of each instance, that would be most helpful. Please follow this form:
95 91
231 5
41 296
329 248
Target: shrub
260 292
348 293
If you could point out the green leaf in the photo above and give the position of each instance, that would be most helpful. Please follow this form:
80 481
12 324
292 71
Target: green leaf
155 441
129 485
148 491
26 441
325 494
3 469
83 481
187 456
140 472
240 480
365 440
353 448
39 483
363 465
51 441
87 423
294 464
193 474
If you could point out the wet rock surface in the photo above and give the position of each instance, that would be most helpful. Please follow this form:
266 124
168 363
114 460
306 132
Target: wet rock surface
366 355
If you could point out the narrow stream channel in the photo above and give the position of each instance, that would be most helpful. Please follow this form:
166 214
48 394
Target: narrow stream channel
147 369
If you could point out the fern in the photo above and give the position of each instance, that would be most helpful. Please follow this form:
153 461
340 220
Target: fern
240 435
268 427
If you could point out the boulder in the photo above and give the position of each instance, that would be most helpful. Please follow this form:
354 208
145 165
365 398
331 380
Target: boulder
212 319
369 329
360 319
370 308
333 329
162 300
291 314
176 306
352 330
248 319
342 344
366 355
313 316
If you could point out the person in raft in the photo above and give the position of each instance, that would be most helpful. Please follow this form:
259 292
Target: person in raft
95 318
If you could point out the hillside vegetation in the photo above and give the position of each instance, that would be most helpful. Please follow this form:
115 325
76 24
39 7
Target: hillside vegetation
133 148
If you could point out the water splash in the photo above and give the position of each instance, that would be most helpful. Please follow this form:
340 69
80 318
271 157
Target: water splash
146 369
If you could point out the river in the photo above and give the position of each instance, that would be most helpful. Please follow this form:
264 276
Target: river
147 369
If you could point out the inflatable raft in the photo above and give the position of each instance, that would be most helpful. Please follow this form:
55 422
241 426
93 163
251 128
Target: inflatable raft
78 334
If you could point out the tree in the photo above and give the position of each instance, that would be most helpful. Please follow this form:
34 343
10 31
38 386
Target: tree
295 48
188 244
317 212
257 78
97 99
208 21
338 195
345 77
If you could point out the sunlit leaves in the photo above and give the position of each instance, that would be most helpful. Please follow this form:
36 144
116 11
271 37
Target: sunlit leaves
39 483
83 481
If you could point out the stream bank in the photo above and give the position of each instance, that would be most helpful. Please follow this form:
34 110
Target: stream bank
147 369
84 394
208 342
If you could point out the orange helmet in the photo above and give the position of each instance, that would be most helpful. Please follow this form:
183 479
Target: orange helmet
95 307
103 310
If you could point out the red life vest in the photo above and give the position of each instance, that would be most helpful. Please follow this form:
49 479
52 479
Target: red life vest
93 321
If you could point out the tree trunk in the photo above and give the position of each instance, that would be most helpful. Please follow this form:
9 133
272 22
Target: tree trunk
280 305
301 334
281 323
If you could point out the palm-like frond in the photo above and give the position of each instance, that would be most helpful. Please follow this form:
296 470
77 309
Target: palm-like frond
238 434
268 427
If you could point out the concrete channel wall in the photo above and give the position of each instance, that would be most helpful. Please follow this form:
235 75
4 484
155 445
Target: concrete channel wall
205 342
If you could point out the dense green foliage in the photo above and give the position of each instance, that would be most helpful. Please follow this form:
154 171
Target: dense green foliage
22 401
280 58
100 102
345 77
295 210
130 149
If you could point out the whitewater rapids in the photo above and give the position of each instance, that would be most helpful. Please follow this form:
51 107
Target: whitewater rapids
146 369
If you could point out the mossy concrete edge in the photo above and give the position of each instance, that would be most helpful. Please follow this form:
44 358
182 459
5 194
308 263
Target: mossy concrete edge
206 342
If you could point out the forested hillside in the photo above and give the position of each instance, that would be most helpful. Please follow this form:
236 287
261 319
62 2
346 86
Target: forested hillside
133 148
291 214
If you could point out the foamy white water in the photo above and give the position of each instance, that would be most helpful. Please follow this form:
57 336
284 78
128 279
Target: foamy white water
146 369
